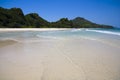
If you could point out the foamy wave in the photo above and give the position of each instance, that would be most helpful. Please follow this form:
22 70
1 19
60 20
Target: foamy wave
106 32
12 39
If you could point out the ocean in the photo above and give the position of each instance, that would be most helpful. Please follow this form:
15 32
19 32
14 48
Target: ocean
105 35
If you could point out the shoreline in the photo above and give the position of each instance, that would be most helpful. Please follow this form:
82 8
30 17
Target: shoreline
32 29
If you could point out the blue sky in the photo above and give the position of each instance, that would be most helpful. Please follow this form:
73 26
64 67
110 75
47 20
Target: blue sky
98 11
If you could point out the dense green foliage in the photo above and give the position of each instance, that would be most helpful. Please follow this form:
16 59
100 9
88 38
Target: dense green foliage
62 23
83 23
14 18
34 20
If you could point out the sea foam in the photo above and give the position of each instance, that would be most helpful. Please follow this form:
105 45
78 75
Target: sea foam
106 32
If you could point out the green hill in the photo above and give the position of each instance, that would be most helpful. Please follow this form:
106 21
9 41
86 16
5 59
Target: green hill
34 20
14 18
83 23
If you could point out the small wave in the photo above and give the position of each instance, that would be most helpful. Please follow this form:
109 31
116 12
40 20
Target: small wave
9 39
106 32
6 42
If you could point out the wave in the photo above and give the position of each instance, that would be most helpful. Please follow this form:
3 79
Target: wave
106 32
6 42
8 39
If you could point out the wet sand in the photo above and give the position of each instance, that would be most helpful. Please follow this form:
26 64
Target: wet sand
4 43
59 59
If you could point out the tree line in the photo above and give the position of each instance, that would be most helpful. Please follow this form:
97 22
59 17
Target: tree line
14 18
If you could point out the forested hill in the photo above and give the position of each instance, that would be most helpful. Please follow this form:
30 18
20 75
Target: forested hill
14 18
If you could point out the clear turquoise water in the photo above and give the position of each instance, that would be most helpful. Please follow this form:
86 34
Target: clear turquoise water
112 34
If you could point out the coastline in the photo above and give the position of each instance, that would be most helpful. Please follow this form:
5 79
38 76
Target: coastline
32 29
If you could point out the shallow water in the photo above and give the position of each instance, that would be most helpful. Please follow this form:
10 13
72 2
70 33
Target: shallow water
104 35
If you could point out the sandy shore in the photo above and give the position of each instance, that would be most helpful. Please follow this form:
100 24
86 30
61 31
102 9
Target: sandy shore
54 59
31 29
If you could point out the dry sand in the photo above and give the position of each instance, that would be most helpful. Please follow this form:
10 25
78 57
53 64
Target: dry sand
54 59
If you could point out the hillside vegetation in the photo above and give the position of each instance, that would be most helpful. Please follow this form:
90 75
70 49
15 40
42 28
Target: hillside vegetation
14 18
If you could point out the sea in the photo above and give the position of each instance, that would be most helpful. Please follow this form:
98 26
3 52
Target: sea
111 36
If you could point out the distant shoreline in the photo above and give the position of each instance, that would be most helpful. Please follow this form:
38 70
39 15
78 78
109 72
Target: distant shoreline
33 29
40 29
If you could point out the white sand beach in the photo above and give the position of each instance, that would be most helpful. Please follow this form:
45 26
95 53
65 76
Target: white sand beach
31 29
58 59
